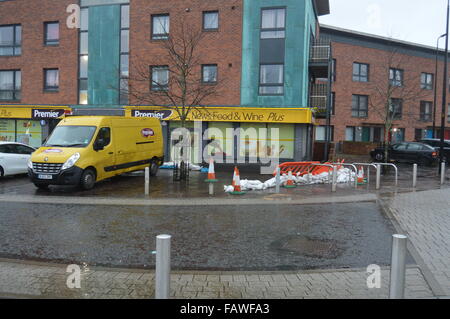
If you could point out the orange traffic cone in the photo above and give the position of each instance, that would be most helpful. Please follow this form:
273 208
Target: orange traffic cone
211 173
361 180
236 183
290 182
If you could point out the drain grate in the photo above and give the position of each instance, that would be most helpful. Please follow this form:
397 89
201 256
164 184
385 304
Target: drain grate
310 247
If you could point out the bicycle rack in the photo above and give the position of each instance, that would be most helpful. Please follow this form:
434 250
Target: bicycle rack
350 173
368 170
391 165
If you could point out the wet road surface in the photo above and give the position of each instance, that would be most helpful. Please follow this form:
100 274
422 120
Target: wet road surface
162 186
265 237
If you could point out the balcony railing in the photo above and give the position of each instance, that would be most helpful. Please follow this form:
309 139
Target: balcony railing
320 51
318 98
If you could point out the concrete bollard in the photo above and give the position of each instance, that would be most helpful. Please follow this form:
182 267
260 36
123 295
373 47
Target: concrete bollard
378 184
278 180
147 181
162 274
211 189
414 175
333 186
443 167
398 267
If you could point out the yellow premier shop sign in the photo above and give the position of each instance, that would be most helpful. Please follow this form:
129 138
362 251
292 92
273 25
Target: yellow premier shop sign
38 112
228 114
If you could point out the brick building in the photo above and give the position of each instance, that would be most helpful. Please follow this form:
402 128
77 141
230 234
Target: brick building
363 67
259 54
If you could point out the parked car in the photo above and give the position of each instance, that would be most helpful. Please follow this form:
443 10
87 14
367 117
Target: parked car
14 158
436 144
411 152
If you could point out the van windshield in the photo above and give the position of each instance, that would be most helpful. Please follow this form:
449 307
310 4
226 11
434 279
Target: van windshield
71 136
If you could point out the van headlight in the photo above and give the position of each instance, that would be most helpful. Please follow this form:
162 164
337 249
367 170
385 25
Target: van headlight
30 164
71 161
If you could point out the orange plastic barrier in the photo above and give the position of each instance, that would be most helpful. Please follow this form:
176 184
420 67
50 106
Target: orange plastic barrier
302 168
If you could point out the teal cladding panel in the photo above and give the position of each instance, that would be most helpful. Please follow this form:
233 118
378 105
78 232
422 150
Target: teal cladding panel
104 55
300 22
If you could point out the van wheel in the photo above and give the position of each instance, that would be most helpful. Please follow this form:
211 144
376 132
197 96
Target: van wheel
154 167
88 179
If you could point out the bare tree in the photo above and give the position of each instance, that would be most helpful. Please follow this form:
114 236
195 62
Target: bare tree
394 86
183 91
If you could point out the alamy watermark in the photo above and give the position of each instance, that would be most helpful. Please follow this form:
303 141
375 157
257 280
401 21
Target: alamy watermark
231 145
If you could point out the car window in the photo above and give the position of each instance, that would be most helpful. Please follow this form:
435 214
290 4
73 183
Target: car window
22 149
427 148
414 147
4 149
399 147
9 149
104 134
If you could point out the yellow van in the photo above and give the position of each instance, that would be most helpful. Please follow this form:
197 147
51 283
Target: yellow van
83 150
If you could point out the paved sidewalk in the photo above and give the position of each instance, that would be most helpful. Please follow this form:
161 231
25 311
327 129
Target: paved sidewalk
40 280
425 218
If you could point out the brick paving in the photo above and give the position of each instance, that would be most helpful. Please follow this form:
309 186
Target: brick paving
39 280
425 218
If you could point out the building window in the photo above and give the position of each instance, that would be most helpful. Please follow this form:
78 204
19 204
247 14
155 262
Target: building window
426 81
10 85
273 23
360 72
396 77
10 40
124 54
360 106
396 109
271 81
321 133
160 78
420 134
211 21
333 103
51 79
364 134
83 55
333 70
51 30
160 26
209 73
425 111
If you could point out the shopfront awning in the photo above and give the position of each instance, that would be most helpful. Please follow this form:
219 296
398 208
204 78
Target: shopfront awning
38 112
228 114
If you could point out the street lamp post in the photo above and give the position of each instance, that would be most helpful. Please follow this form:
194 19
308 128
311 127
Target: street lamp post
435 86
444 89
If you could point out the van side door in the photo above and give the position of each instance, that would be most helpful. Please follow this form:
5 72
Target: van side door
104 152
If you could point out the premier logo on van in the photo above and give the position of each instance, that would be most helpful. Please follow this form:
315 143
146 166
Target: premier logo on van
46 114
162 115
147 132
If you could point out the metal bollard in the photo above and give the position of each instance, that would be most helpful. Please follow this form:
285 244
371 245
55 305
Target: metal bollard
147 181
162 274
378 185
443 173
398 267
333 186
414 175
211 189
277 181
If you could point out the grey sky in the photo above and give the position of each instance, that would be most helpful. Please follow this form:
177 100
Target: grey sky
420 21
